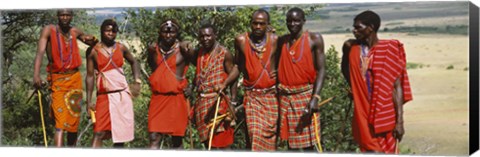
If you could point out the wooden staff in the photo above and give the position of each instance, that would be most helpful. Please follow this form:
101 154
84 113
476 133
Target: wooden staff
396 147
214 121
41 116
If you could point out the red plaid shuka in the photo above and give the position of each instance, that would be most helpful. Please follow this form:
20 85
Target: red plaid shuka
261 109
293 101
374 112
210 72
296 74
261 104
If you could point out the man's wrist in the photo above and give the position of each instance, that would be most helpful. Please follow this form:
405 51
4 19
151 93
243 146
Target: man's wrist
139 81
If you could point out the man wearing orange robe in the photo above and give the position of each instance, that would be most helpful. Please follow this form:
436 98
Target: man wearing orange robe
114 107
215 72
376 72
301 71
65 80
168 110
255 56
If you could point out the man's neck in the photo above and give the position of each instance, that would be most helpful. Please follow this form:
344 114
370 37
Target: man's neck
295 36
108 44
211 48
65 29
372 40
165 46
257 39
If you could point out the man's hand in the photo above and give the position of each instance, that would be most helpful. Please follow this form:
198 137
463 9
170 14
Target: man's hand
37 82
398 131
90 40
135 89
312 106
188 91
273 74
90 107
186 46
219 87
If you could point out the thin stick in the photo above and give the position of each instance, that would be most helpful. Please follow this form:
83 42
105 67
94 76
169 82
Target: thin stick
214 121
396 146
41 116
316 133
325 101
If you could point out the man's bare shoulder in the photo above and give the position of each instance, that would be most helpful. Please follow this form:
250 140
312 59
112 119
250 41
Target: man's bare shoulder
315 36
240 38
349 42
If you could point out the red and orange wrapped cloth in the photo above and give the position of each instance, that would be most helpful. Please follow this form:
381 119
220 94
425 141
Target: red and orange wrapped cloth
65 80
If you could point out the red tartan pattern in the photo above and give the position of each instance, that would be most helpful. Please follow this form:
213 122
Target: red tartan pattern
262 114
204 110
212 73
291 111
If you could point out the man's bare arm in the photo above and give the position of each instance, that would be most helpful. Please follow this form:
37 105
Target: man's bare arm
152 58
90 78
232 71
320 66
41 48
87 39
345 64
398 102
132 61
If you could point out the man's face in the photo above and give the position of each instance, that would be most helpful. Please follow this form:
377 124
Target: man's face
168 34
109 34
361 31
259 24
295 22
64 17
207 37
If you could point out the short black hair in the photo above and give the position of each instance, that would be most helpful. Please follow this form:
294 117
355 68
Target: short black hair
68 10
261 11
298 10
208 25
369 18
109 22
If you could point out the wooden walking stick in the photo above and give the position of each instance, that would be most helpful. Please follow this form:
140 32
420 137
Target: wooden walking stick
396 147
41 116
214 121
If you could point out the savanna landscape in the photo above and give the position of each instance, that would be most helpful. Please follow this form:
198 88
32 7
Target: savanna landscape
435 36
436 121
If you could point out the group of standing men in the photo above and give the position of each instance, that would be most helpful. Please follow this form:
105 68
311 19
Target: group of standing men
282 76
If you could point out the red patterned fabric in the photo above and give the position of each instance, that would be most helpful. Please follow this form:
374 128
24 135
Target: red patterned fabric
168 110
261 104
296 74
210 72
261 109
374 117
65 54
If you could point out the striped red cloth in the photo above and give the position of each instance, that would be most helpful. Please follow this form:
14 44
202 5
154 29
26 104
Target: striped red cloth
210 72
374 111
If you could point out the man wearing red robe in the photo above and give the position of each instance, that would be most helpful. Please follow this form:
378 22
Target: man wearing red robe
215 72
168 110
114 106
255 57
376 72
60 43
301 71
